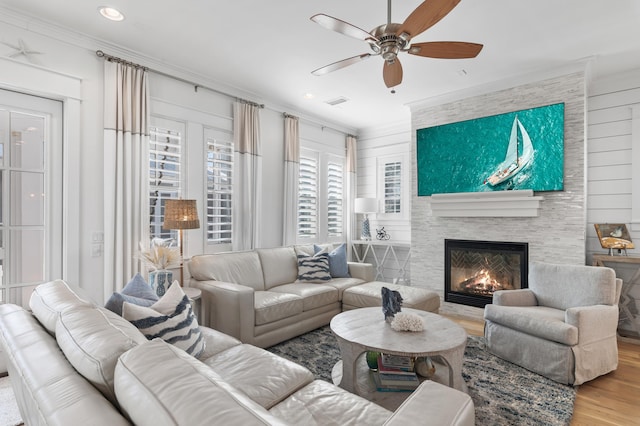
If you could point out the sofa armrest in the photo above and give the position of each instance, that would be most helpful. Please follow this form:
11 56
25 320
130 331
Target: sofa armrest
228 307
441 404
520 297
364 271
593 322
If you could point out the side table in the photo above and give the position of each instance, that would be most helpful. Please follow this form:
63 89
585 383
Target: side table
194 295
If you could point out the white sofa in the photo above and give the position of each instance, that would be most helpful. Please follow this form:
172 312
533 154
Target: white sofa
73 363
253 295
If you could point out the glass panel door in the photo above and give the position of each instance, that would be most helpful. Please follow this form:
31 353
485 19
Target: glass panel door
30 194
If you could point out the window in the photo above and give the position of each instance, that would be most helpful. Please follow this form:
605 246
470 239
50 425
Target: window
335 198
308 197
165 148
219 189
320 197
392 187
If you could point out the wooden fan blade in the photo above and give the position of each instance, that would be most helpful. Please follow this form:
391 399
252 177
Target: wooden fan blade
426 15
446 49
338 25
392 73
340 64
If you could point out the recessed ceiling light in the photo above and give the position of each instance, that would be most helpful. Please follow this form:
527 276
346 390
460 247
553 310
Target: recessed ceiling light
309 96
111 13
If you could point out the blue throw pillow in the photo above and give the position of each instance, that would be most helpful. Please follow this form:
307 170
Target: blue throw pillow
137 292
338 267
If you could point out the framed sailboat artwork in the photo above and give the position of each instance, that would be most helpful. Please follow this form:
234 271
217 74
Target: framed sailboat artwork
517 150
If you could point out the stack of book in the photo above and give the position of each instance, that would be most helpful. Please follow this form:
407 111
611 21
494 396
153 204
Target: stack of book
395 374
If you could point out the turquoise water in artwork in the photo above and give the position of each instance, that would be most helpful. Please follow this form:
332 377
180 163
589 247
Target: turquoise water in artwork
459 157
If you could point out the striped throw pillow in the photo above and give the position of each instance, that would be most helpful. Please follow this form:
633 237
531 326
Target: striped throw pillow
171 318
314 269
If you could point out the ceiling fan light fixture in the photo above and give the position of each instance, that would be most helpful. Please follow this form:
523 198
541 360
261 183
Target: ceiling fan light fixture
111 13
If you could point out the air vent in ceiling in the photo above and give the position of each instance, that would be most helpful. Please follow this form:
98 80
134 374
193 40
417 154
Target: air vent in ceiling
337 101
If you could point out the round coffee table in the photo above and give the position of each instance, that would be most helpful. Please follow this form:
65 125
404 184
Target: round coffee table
365 329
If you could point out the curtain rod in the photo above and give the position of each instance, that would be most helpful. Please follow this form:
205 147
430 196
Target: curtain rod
196 86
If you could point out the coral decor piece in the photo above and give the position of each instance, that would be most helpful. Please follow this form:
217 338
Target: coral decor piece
391 303
160 255
405 321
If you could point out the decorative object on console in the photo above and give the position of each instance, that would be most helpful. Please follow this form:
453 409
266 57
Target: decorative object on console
181 214
391 303
404 321
381 234
614 236
512 151
365 206
170 318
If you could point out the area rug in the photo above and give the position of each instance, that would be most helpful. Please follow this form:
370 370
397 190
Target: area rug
503 393
9 414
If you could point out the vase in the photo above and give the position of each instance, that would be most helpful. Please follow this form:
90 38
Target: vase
160 280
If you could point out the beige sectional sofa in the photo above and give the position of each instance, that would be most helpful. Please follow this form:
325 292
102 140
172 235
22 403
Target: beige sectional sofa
71 362
253 295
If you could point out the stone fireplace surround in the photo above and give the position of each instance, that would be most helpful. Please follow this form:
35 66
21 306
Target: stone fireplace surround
556 235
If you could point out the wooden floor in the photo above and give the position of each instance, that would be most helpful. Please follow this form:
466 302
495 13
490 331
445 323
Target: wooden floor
613 399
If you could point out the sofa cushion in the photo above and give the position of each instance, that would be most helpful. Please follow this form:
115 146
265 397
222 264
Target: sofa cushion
49 299
158 384
314 269
92 339
171 318
137 292
341 284
321 403
264 377
546 323
370 294
313 295
272 306
279 266
242 267
338 267
216 342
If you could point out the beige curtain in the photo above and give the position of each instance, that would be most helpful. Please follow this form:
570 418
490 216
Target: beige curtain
126 158
247 194
291 177
352 188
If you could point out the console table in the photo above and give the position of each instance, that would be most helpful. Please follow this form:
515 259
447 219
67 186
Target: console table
628 269
387 251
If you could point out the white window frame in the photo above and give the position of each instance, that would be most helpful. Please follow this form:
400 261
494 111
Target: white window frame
322 234
405 195
216 198
312 198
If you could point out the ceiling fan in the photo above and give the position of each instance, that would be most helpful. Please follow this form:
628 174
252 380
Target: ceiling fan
389 39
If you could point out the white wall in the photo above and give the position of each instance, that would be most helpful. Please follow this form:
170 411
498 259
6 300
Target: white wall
612 148
74 54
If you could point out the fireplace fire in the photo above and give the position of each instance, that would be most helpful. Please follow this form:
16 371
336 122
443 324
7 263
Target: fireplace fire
474 270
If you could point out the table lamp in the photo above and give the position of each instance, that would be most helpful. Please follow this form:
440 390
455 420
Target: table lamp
365 206
181 214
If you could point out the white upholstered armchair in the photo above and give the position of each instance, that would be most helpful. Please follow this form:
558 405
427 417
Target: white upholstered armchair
563 326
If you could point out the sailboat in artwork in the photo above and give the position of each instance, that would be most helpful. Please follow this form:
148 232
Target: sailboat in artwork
514 161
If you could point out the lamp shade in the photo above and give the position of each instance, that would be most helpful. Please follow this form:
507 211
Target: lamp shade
365 205
180 214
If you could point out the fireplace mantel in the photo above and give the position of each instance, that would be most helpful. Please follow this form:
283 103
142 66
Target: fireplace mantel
520 203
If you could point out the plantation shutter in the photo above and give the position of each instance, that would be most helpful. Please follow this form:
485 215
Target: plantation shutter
219 190
335 198
164 176
308 197
392 187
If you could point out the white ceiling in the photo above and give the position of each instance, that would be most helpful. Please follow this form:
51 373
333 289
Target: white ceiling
269 48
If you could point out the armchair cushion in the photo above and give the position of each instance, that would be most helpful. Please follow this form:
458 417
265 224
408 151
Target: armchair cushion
539 321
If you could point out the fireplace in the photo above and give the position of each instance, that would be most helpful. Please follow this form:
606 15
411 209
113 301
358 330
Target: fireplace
473 270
